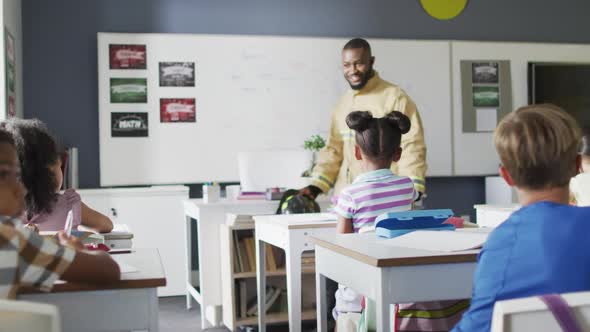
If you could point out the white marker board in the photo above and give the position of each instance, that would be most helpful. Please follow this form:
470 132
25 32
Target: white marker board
255 93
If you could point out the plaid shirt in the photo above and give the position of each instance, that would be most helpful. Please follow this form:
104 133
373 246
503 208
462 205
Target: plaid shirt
28 259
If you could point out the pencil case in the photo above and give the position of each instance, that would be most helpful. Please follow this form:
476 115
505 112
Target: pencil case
393 224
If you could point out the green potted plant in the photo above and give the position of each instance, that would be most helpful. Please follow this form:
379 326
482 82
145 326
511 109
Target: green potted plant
314 144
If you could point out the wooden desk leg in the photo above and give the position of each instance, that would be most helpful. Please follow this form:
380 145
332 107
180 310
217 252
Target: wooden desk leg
294 288
320 286
261 280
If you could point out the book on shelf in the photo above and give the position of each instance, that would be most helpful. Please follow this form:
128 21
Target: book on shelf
243 288
238 265
243 254
251 252
252 195
271 264
234 219
272 295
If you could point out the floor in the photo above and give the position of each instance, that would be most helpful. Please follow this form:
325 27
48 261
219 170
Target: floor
174 317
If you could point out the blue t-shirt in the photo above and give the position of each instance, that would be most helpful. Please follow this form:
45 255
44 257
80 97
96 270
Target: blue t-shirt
542 248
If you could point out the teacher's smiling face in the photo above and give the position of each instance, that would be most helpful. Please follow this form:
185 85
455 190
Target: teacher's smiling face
357 64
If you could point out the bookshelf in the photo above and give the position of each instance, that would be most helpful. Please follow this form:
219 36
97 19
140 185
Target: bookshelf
238 278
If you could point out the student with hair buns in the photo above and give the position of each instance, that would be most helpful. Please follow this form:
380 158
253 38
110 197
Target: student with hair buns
375 191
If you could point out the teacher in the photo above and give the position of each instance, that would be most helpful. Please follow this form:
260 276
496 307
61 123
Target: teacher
337 166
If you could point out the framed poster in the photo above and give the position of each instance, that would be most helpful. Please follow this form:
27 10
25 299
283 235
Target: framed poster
177 110
129 124
177 74
128 90
10 79
127 56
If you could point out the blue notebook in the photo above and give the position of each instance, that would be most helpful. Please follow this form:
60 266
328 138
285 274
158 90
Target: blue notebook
393 224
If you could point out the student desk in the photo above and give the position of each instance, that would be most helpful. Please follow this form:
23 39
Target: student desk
388 274
292 234
125 305
205 287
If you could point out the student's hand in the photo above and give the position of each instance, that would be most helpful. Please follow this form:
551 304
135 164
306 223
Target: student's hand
69 241
33 227
310 191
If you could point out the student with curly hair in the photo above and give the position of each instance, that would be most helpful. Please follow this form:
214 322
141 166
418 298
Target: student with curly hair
40 160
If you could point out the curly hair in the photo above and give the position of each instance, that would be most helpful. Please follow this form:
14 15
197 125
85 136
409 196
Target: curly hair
37 150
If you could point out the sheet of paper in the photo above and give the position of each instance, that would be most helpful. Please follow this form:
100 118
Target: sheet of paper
486 119
309 217
123 266
440 240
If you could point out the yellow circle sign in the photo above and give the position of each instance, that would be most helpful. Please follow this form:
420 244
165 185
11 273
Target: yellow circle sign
443 9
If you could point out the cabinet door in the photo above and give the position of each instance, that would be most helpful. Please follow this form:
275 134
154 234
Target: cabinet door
157 222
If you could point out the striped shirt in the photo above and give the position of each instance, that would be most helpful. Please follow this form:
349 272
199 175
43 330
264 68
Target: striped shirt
27 259
372 194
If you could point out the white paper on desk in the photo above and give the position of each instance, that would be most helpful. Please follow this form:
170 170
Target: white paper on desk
440 240
123 266
309 217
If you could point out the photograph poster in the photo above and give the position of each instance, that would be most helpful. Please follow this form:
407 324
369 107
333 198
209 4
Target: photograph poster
128 90
177 74
177 110
127 56
10 79
485 72
486 92
129 124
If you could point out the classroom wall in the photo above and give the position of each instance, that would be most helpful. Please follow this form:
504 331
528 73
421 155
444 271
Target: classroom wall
60 76
12 21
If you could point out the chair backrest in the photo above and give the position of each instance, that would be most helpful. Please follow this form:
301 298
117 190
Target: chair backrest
28 316
272 168
532 314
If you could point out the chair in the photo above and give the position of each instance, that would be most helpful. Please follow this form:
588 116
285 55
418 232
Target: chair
28 316
532 314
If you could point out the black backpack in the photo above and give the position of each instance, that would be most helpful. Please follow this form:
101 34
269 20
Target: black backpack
293 203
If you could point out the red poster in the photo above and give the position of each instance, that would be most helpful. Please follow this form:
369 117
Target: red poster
177 110
11 107
127 56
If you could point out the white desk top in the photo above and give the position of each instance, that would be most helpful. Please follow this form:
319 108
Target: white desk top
298 221
150 274
497 207
371 250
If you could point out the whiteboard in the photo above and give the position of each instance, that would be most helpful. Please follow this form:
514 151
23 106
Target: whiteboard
474 152
256 93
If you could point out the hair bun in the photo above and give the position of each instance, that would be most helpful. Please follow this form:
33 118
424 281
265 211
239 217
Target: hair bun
359 120
399 120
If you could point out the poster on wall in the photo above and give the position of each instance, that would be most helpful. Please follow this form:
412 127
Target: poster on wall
127 56
128 90
129 124
177 74
484 72
10 80
486 96
177 110
486 89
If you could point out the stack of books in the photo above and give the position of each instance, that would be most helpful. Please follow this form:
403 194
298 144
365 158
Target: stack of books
308 260
252 195
245 255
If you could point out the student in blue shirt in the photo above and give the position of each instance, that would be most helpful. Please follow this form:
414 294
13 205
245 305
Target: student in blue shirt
543 247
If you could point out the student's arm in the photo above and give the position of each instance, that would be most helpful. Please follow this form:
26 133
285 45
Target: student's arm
345 209
344 225
95 220
90 267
